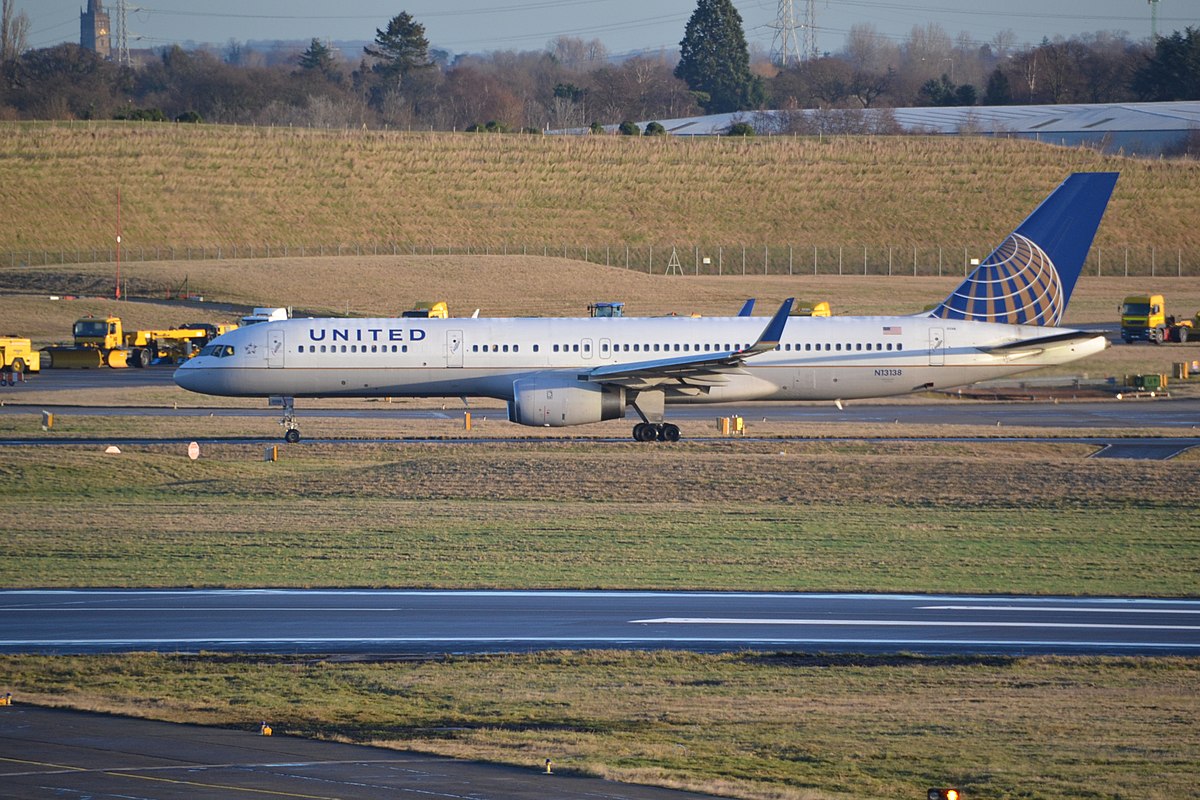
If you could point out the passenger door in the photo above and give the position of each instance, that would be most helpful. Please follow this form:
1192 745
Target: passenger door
454 348
275 348
937 347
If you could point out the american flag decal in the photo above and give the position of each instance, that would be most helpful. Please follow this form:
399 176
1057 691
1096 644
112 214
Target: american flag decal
891 330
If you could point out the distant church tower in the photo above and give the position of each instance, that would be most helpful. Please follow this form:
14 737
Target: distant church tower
94 29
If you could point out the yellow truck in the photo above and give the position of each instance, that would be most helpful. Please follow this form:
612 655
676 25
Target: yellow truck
103 343
18 356
1144 318
806 309
436 310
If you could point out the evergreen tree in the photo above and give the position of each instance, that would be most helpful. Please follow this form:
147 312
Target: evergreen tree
319 58
714 61
998 91
399 50
1173 72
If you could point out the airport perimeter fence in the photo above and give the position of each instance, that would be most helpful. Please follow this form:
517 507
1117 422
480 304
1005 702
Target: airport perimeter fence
1139 260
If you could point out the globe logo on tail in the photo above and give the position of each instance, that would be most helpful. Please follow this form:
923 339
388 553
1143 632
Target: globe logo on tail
1017 285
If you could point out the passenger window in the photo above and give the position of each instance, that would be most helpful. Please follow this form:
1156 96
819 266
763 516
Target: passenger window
575 348
899 346
506 348
556 348
403 348
858 347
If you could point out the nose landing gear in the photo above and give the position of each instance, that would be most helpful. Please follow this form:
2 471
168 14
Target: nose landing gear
291 432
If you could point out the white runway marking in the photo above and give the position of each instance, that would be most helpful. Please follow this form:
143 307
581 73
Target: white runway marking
1060 609
627 641
913 623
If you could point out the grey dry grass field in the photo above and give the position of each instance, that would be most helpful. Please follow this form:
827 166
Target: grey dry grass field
211 185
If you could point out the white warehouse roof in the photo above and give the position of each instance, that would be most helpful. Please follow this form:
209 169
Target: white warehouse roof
1143 128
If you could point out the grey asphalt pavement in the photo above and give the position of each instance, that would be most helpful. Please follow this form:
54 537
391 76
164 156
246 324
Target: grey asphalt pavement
70 754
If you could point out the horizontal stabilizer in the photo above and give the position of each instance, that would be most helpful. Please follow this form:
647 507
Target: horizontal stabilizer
1029 347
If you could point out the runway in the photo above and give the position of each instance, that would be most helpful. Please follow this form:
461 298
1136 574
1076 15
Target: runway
435 622
58 753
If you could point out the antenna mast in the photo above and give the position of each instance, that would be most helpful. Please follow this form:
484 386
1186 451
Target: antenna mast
122 34
1153 19
785 50
810 29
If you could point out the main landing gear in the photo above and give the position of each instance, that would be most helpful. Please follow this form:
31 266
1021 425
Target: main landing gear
651 432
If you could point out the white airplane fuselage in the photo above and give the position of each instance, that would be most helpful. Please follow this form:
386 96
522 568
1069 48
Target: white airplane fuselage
818 358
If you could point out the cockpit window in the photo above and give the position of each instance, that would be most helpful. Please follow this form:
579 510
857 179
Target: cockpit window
217 350
208 350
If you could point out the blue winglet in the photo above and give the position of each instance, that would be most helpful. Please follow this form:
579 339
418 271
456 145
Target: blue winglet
774 331
747 308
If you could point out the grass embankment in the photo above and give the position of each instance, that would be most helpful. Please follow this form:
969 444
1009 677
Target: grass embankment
754 516
186 185
778 727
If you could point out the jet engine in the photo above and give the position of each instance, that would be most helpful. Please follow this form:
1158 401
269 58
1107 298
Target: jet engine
554 401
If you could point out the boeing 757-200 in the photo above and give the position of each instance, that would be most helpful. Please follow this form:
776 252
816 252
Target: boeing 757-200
572 371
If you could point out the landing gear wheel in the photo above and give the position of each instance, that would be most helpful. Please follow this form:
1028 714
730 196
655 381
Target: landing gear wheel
669 433
292 436
645 432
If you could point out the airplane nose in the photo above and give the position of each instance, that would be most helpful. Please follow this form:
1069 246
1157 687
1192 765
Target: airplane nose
187 376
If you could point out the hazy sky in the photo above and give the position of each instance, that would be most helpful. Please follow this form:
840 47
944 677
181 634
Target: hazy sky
623 25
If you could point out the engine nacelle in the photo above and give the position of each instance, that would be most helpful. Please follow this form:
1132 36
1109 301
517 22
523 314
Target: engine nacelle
554 401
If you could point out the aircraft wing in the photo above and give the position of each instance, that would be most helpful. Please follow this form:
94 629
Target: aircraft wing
1031 347
707 368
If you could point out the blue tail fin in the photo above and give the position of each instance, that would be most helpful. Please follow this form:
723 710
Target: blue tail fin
1029 278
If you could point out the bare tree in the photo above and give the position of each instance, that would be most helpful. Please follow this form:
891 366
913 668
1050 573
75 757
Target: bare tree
13 31
577 54
869 51
1003 42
